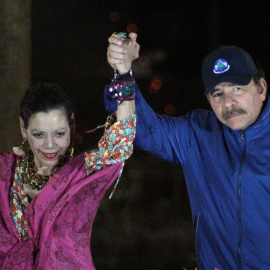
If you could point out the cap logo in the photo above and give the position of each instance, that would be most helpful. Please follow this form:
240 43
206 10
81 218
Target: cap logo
221 66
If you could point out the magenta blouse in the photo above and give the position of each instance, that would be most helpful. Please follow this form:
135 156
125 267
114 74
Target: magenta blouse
59 219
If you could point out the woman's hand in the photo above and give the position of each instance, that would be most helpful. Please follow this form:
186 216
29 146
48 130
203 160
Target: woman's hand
121 53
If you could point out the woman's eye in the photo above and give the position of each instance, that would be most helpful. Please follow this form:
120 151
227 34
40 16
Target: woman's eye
38 135
237 88
60 134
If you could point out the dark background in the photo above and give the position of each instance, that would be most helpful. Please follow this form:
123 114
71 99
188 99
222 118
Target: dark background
147 224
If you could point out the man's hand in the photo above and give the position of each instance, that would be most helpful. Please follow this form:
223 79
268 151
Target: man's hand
121 53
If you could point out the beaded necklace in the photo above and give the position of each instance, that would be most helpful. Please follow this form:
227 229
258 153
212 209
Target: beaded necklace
29 171
24 173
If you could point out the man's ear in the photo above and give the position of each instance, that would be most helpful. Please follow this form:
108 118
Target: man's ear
263 88
23 130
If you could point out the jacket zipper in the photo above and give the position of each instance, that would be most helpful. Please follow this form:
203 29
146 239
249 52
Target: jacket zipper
239 199
196 225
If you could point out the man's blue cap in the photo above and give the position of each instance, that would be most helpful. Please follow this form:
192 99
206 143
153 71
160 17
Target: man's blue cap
227 64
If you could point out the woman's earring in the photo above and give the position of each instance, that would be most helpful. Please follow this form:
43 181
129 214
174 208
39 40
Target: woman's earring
19 150
71 148
71 151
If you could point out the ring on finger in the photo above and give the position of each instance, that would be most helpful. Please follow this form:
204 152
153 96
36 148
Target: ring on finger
121 35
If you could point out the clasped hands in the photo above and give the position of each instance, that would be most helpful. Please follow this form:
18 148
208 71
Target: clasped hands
122 52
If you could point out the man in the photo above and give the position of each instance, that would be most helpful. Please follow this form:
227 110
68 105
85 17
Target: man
224 153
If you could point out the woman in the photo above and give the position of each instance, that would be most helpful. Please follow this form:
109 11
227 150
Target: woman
48 197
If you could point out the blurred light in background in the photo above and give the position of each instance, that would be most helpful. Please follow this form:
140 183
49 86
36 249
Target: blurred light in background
169 109
115 16
155 86
143 61
132 28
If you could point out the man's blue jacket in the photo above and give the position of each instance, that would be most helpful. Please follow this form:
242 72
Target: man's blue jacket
227 174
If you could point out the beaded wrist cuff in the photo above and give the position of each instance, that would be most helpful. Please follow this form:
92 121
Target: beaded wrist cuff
123 86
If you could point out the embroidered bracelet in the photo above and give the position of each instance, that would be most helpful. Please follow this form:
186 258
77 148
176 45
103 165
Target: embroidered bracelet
123 87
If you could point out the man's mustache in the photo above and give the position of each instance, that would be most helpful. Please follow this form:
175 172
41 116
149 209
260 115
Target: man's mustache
233 111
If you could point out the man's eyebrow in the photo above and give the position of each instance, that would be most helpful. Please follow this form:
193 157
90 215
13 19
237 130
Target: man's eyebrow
216 89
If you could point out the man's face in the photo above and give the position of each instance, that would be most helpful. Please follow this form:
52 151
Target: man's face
238 106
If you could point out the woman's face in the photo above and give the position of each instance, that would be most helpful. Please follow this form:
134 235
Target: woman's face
48 135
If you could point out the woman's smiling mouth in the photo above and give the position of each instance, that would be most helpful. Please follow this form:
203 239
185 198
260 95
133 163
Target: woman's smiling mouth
50 155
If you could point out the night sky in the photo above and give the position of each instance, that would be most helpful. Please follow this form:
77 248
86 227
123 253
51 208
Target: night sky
69 43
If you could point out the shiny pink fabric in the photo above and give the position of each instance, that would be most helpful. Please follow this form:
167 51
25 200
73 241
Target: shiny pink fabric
59 219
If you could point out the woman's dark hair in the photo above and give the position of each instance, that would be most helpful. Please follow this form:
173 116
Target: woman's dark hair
43 97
